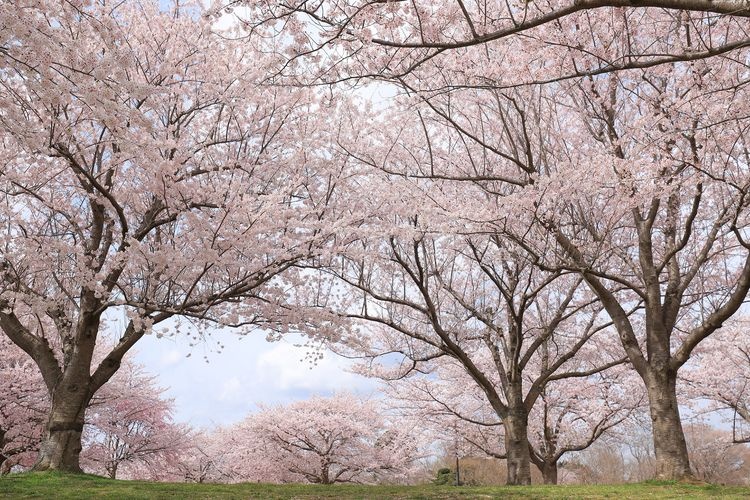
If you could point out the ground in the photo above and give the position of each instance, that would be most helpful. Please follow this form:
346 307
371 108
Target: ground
65 486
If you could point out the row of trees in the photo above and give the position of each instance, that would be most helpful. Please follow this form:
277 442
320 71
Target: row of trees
129 433
547 154
557 197
623 457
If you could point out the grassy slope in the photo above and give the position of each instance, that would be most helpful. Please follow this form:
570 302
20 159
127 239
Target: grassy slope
61 486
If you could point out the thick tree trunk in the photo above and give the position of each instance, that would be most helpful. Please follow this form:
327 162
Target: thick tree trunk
549 473
672 461
61 448
517 453
61 445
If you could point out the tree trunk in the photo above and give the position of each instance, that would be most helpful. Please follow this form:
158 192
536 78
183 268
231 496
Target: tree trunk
112 470
61 446
549 473
324 472
3 457
515 424
672 461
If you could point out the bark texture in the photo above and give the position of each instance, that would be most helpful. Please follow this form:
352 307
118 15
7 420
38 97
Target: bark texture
549 473
518 457
61 446
670 448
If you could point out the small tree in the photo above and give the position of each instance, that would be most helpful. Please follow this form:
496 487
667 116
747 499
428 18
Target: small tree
207 457
443 476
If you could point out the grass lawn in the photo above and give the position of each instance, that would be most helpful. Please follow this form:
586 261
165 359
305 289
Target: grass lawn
64 486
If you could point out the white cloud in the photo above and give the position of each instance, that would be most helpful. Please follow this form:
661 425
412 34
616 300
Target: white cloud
249 371
284 366
231 389
171 357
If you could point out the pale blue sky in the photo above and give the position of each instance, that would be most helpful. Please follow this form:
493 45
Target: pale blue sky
249 371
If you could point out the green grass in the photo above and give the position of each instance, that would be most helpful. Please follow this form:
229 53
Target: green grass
66 486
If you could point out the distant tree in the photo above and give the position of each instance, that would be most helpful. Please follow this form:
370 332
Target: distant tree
629 456
206 457
718 376
129 429
324 440
714 457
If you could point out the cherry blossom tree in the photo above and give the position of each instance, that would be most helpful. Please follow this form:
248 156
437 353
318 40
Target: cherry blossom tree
715 458
206 457
129 430
476 301
128 424
574 415
628 455
437 44
23 406
323 440
570 416
146 170
719 376
677 214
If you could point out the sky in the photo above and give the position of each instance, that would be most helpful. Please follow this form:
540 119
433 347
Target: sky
217 388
